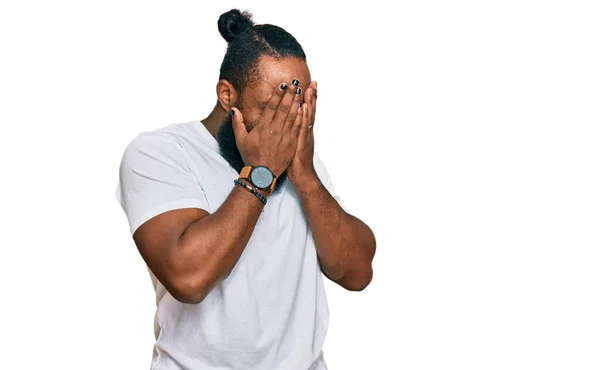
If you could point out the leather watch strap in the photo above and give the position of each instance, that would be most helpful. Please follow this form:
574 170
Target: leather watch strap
272 185
245 173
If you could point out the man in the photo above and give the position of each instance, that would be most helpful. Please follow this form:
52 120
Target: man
238 282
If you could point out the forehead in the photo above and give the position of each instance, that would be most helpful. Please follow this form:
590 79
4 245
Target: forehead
272 72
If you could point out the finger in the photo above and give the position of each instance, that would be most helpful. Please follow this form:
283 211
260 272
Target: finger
272 104
313 86
311 108
312 97
291 117
305 123
297 123
314 101
239 128
285 106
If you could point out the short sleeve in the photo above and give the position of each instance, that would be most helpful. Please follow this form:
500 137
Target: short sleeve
326 180
155 177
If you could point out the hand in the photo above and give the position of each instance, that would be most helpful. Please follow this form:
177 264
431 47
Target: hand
301 169
274 139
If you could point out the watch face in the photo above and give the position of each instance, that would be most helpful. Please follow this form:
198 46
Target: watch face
261 177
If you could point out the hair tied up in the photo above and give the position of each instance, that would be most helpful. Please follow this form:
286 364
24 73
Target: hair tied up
234 22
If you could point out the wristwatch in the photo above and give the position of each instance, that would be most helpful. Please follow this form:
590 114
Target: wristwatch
259 176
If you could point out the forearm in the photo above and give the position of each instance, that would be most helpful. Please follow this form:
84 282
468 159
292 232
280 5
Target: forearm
211 246
345 245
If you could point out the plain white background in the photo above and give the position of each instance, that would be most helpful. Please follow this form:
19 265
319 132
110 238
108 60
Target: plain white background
466 134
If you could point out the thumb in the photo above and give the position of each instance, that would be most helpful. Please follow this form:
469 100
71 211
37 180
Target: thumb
239 128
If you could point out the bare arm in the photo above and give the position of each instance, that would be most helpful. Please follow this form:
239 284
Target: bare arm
190 250
345 245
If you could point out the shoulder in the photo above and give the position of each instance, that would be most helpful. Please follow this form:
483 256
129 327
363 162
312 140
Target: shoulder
179 131
165 145
151 142
167 138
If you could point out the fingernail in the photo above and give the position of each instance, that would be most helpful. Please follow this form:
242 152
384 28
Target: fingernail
283 86
298 91
295 82
232 112
299 105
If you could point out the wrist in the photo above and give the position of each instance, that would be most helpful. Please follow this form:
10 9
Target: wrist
307 184
259 177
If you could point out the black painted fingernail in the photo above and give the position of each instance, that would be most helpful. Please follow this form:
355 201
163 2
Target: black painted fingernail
283 86
232 112
295 82
299 105
298 91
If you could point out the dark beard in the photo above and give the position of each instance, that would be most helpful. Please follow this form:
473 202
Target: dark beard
231 153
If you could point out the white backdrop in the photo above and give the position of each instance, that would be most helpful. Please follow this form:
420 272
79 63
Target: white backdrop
474 126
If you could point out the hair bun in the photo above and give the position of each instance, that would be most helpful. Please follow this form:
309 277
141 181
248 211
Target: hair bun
233 23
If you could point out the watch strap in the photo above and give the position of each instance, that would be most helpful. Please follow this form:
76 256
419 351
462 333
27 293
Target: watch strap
245 173
272 185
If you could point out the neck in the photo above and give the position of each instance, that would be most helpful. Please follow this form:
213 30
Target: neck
214 120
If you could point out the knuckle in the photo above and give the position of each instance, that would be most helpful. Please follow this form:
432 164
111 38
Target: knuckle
284 107
272 105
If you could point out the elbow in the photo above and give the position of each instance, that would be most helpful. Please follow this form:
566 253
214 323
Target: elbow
188 293
191 290
360 286
359 278
359 281
188 298
192 285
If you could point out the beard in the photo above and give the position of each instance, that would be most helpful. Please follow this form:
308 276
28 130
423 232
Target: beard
231 153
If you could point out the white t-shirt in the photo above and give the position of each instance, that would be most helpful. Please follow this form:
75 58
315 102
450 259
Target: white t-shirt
271 312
